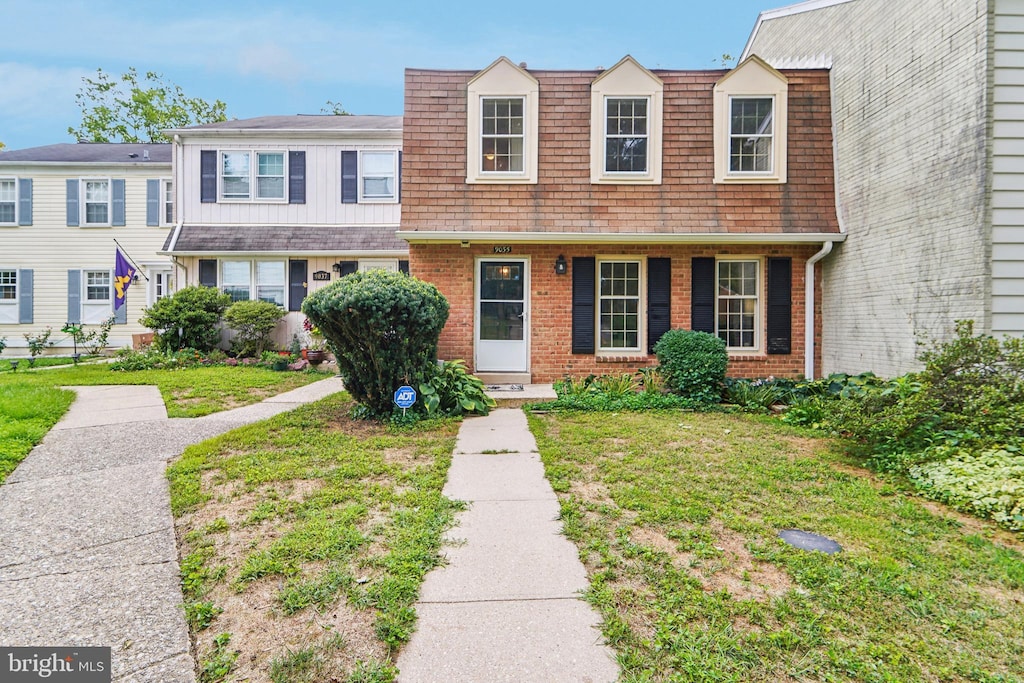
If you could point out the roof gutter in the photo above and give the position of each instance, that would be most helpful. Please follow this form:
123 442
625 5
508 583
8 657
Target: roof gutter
480 237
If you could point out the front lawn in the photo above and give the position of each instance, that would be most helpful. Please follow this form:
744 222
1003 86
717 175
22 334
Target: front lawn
304 541
31 402
676 516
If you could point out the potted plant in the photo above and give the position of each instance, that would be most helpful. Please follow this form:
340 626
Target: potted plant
316 348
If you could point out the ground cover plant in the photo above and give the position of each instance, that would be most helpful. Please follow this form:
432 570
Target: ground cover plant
676 515
306 538
31 401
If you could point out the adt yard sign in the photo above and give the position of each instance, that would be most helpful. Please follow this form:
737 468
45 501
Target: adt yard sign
405 396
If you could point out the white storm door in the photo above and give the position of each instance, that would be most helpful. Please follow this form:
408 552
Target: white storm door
502 329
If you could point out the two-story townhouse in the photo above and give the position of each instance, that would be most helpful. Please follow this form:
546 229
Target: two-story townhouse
572 217
928 106
62 207
273 207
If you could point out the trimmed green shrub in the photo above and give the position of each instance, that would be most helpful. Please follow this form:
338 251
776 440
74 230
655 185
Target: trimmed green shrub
383 329
187 319
693 364
252 321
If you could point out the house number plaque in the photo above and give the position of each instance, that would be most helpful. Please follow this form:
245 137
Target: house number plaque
503 249
321 275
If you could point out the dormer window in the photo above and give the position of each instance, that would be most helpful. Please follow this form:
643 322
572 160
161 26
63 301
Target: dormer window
502 112
625 125
750 124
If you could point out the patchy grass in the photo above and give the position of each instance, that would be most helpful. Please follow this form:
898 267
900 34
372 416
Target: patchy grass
675 516
32 402
307 537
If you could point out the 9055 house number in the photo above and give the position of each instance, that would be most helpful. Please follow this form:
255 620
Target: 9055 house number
502 249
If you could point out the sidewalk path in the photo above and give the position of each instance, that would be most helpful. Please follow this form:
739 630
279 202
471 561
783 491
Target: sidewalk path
506 607
88 555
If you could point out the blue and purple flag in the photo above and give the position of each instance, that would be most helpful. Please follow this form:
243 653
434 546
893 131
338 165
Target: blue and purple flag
123 274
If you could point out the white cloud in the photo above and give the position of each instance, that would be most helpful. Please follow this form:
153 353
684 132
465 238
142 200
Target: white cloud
34 98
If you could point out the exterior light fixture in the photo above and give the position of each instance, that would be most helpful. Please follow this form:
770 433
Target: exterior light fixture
561 267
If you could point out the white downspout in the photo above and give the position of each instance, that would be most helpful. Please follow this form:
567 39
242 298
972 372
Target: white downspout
826 249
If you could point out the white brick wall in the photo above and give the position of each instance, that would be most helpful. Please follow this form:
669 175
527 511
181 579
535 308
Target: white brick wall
909 106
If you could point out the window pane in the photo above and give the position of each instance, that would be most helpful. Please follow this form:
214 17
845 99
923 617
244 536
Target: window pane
501 321
750 131
737 303
378 163
626 135
8 285
8 198
378 187
236 164
235 175
96 190
235 279
96 213
269 175
501 143
270 188
270 164
619 314
168 202
97 285
270 273
6 212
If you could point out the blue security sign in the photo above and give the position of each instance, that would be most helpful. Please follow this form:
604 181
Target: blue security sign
404 397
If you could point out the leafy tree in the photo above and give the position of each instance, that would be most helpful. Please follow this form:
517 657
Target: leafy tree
253 321
336 108
2 145
130 108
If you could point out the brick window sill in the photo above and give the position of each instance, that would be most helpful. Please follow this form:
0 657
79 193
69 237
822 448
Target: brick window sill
621 359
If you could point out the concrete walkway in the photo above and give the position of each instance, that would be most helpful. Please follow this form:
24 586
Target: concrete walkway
88 555
506 607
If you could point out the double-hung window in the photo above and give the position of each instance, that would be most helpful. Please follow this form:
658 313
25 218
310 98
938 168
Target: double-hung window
626 125
96 202
254 280
619 305
751 134
97 301
737 303
378 171
501 135
242 171
167 202
8 296
8 201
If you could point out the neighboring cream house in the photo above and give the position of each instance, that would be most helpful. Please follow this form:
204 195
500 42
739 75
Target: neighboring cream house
61 208
928 110
272 208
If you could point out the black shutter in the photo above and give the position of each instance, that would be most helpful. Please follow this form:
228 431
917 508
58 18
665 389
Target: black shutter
349 177
659 299
702 295
296 179
208 272
780 305
583 292
403 267
208 176
349 267
296 284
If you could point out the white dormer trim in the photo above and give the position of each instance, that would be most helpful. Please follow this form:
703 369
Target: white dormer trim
752 78
627 79
502 79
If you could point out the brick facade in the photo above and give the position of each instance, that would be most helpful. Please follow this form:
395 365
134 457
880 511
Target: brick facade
437 198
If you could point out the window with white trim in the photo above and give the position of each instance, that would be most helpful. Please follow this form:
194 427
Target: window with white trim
751 132
96 202
502 134
378 171
8 296
502 123
626 134
737 303
254 280
8 201
97 298
167 202
242 170
619 305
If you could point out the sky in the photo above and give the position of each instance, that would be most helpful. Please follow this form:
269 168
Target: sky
264 58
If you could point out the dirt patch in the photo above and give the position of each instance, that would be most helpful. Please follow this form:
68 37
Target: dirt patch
591 491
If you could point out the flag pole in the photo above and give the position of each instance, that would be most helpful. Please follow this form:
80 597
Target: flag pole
125 252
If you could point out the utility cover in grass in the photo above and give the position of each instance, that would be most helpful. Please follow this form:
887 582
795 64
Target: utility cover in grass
805 540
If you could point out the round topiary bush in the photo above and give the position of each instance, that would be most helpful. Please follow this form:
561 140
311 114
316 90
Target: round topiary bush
693 364
253 321
383 329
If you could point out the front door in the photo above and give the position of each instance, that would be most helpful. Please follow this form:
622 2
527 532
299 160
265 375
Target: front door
502 329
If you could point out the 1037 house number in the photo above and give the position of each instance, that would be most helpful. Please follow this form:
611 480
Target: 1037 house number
502 249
